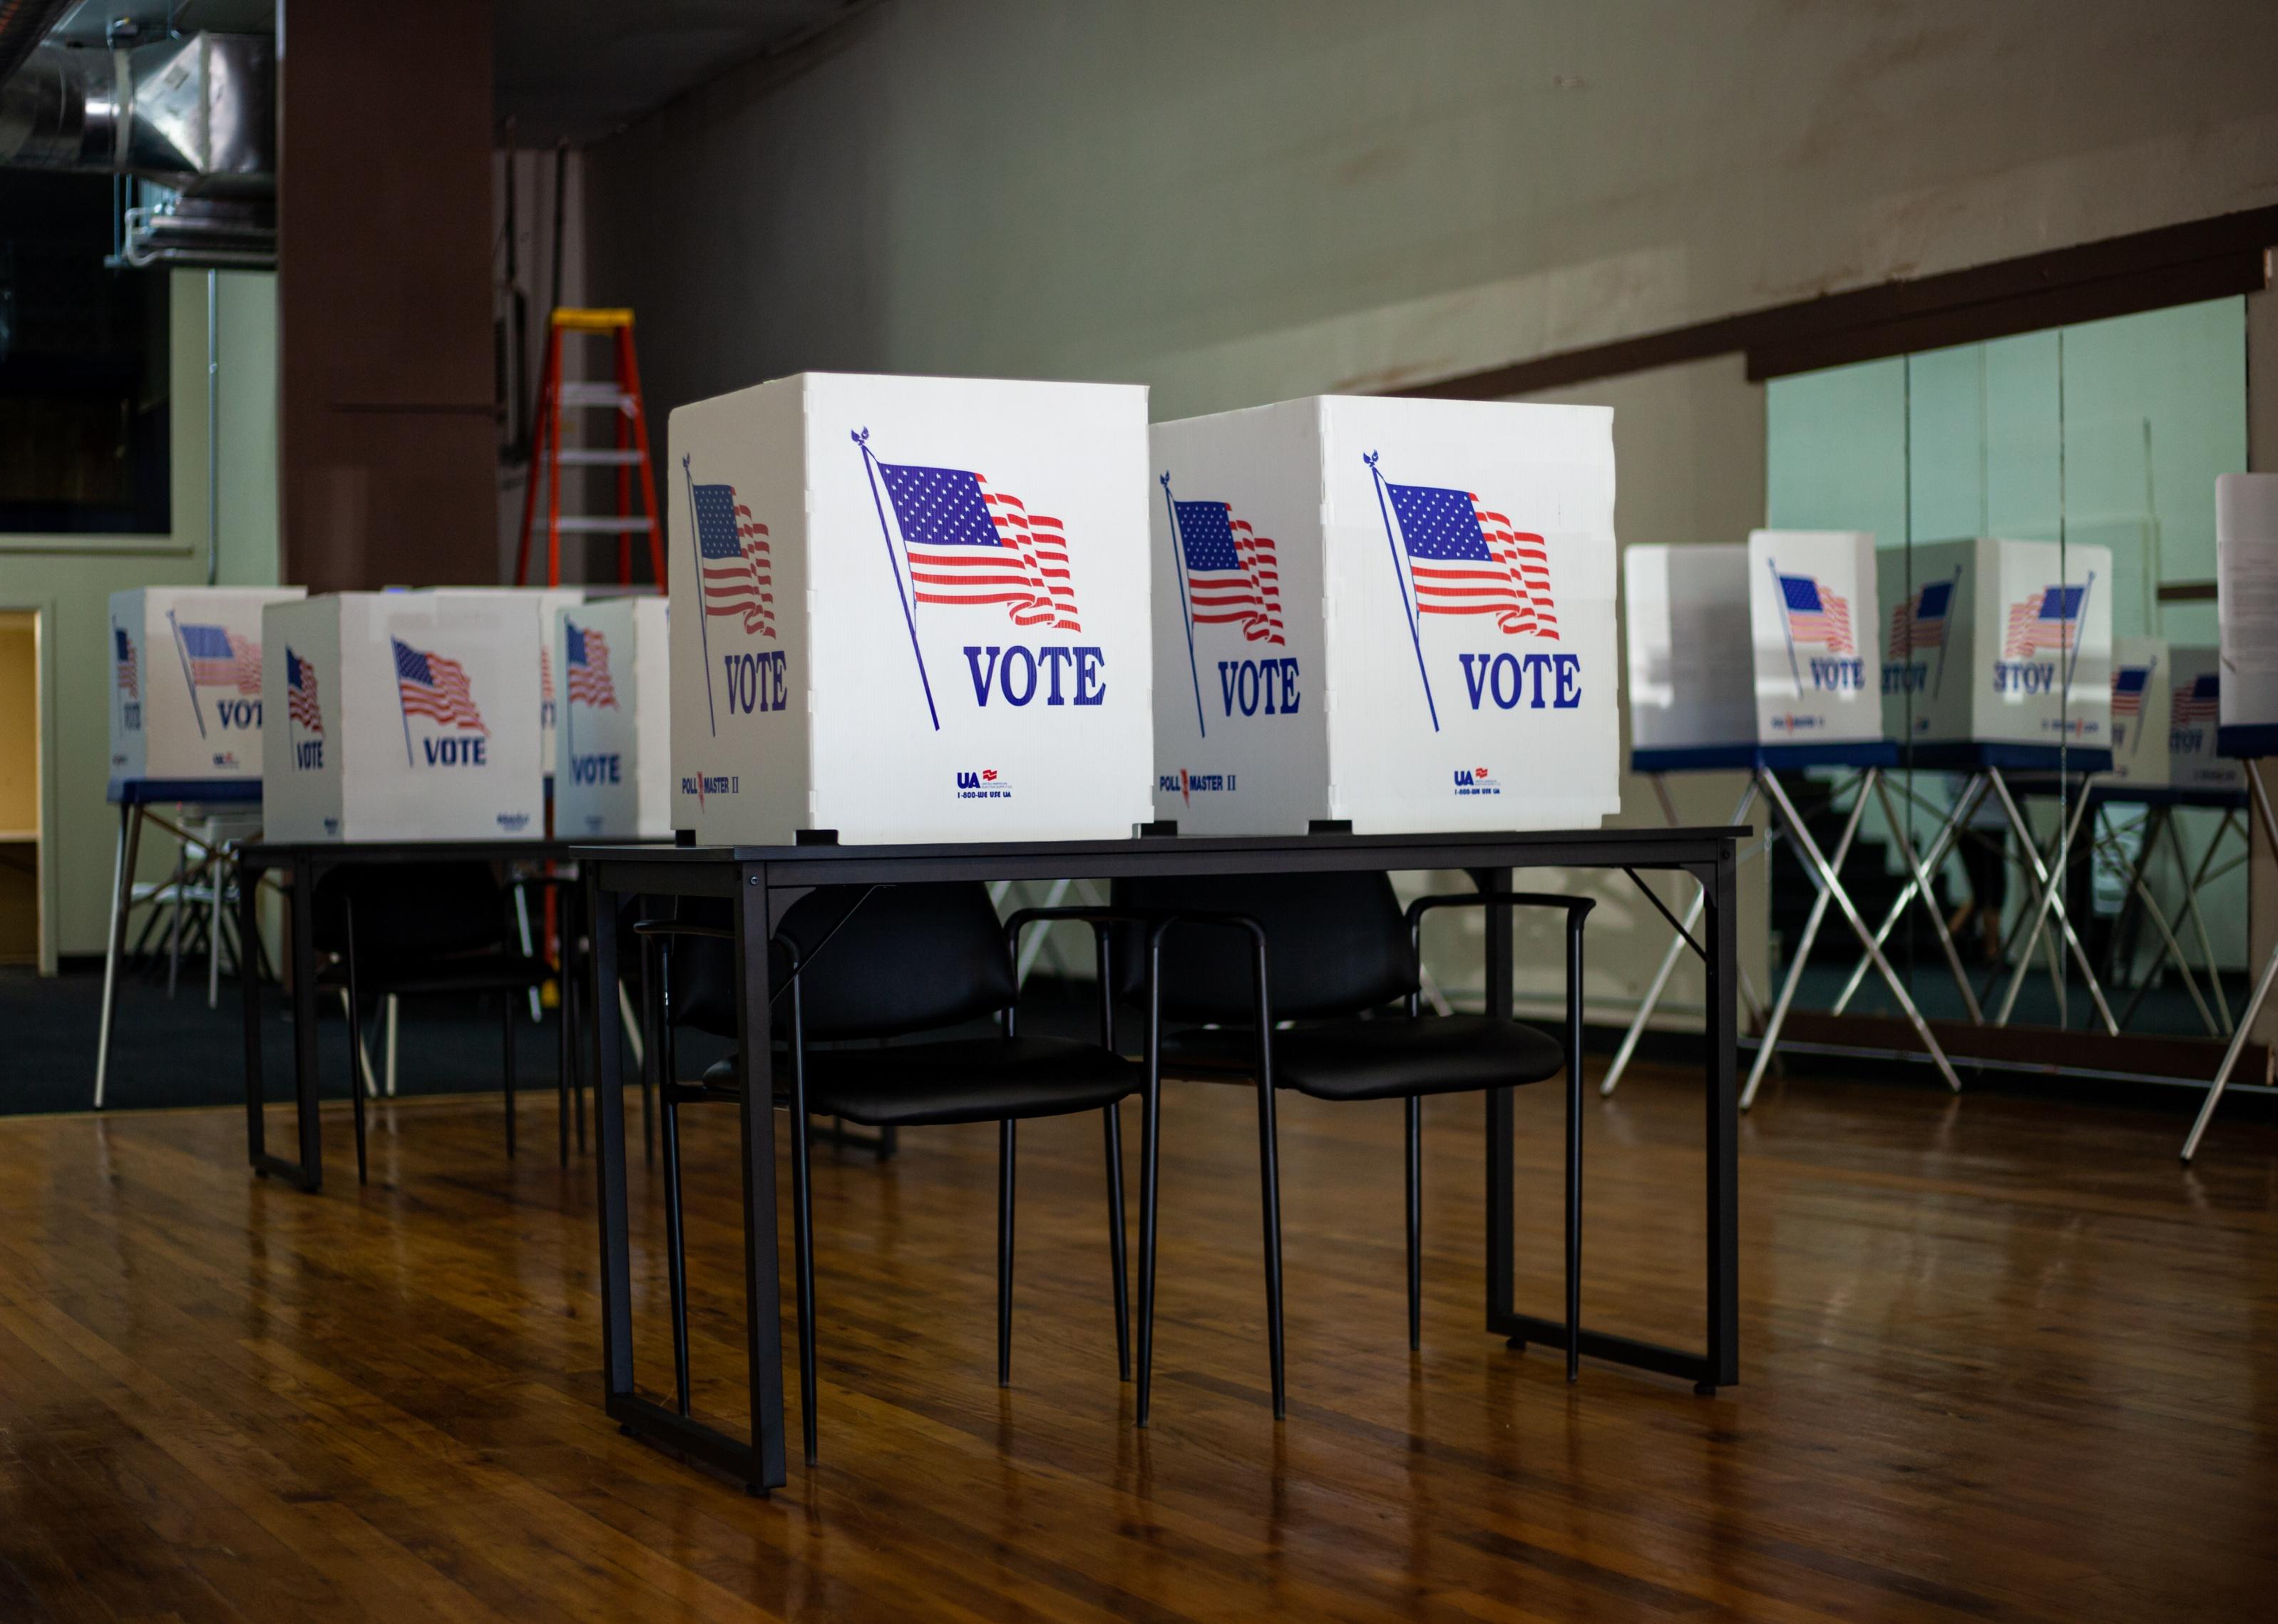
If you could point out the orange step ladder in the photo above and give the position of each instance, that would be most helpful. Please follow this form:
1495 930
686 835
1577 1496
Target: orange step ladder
621 394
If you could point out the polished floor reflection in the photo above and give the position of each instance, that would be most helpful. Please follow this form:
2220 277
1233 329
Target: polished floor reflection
2000 1359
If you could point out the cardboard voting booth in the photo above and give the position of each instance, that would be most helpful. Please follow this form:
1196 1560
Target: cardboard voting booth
2246 589
1811 623
910 609
1693 698
613 769
187 680
543 604
1397 614
2000 650
2194 716
2142 680
403 716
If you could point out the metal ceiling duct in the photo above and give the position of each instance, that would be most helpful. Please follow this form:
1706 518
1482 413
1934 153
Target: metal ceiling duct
24 24
196 113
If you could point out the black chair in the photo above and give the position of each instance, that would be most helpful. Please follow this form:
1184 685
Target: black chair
416 929
1337 953
849 967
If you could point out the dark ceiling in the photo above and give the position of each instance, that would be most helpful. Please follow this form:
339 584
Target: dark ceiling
579 69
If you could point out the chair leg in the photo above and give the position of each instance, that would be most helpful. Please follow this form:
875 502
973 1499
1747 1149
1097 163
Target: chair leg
1415 1223
506 1026
1113 1119
802 1193
1005 1132
1270 1193
356 1073
676 1261
562 1094
1150 1111
1574 1218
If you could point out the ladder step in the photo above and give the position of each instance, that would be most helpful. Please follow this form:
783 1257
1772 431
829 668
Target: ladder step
596 394
603 525
598 457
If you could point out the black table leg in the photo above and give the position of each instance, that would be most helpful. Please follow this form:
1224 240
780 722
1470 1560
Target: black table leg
1722 938
609 1176
304 1028
248 981
762 1288
1501 1218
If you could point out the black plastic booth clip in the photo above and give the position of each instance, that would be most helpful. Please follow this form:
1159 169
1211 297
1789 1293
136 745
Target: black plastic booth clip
814 837
1162 828
1329 826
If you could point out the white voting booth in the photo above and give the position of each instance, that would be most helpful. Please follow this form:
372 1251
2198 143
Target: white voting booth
186 691
2142 680
613 763
910 609
2246 611
2194 717
1384 615
542 603
186 682
403 716
1765 659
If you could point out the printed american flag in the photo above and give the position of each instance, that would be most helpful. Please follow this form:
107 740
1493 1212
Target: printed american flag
732 549
2046 620
2128 685
1920 621
431 686
221 658
588 653
1815 614
2198 703
1467 561
301 701
968 545
123 645
1233 577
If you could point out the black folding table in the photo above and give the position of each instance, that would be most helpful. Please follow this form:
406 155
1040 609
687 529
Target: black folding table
763 882
308 862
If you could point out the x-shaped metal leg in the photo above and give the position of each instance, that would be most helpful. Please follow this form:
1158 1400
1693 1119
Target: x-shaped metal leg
1669 959
2052 883
2139 898
1956 818
2244 1030
1825 875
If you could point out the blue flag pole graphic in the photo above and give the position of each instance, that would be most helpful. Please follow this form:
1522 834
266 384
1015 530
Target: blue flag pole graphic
703 614
1400 575
1779 596
2072 633
395 659
188 680
1945 641
870 466
1187 602
568 725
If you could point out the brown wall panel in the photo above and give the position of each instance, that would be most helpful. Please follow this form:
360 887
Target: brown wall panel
387 453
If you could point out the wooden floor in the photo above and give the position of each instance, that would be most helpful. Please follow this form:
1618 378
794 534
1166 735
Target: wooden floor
2002 1360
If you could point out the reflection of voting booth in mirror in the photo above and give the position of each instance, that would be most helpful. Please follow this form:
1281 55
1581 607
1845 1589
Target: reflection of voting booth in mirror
910 609
2163 759
613 772
1389 615
1999 664
186 706
2246 589
1803 605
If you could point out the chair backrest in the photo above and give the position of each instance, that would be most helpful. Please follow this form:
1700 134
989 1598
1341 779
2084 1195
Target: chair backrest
1335 944
906 959
412 908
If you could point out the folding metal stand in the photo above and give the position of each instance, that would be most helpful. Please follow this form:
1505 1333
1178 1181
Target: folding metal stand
2159 805
134 797
2244 1030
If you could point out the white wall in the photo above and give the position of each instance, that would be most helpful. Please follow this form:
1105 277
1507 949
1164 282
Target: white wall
69 580
1239 204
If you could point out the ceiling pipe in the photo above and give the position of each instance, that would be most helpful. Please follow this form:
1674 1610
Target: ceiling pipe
24 24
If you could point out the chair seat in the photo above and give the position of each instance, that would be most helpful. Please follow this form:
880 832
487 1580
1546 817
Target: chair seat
969 1079
1387 1058
482 973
